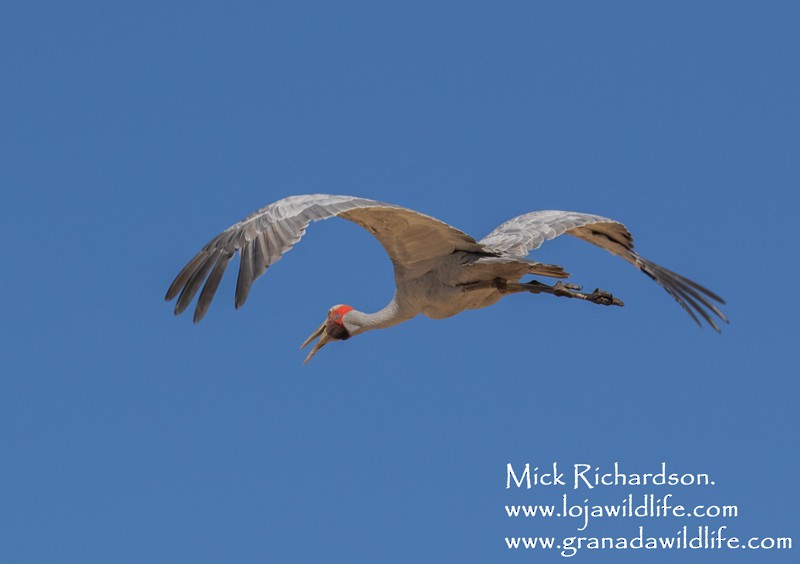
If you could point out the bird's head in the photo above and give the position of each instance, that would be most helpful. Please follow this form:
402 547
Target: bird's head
336 327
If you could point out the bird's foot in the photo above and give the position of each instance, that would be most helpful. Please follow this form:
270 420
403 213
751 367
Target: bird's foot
603 298
566 290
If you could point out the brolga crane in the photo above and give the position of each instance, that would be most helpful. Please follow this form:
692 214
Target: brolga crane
439 271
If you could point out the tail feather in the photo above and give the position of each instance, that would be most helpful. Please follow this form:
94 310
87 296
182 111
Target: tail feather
551 270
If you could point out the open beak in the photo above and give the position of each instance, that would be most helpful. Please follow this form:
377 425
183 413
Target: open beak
324 338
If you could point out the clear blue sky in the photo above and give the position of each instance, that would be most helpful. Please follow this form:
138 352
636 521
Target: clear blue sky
131 133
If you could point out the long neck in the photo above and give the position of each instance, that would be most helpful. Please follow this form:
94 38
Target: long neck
395 312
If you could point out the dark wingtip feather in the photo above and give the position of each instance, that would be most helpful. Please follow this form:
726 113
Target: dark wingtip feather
194 282
692 297
686 298
184 275
245 278
692 292
210 287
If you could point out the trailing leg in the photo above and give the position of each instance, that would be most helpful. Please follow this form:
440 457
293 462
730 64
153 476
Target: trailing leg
560 289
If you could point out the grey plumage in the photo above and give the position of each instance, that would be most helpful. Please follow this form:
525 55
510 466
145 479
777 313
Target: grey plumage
414 242
436 265
524 233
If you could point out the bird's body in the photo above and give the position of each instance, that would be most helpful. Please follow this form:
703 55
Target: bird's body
439 270
439 293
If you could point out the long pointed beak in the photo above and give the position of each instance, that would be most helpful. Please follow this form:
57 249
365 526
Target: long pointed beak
324 338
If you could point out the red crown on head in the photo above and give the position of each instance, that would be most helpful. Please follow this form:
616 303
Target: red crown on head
337 313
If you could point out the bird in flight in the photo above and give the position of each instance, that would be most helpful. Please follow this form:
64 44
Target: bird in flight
439 271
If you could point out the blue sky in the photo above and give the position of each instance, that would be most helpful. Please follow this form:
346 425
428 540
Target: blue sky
133 133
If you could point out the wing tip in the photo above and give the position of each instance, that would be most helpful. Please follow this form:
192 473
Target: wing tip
691 296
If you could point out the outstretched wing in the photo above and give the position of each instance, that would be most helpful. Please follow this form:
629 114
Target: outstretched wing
415 243
520 235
